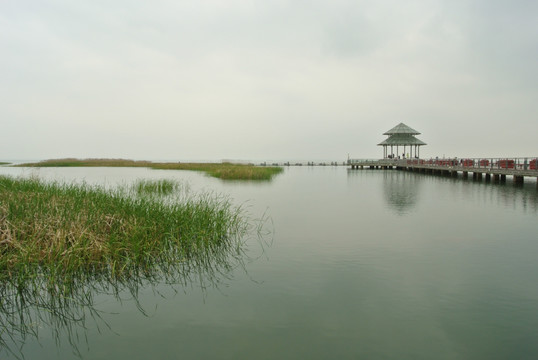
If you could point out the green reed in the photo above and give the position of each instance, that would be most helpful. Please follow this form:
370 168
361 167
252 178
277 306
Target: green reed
63 244
64 228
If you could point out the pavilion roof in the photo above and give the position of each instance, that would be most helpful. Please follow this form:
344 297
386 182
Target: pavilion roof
402 139
401 128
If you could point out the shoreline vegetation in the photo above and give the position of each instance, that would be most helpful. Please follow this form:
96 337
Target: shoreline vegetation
63 231
225 170
63 243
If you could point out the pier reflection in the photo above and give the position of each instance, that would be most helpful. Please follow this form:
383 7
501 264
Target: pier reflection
515 197
401 190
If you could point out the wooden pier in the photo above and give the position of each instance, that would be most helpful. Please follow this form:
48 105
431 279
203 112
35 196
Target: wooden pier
491 169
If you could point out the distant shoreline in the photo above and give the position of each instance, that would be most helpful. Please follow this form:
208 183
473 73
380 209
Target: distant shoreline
223 170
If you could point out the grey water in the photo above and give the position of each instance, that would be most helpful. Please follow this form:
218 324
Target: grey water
358 264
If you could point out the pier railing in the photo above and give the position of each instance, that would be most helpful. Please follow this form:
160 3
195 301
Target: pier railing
515 163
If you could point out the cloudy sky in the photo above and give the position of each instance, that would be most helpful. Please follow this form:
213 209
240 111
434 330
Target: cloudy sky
266 79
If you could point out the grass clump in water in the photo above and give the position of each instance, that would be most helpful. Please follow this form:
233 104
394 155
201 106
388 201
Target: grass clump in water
62 245
225 170
156 187
63 230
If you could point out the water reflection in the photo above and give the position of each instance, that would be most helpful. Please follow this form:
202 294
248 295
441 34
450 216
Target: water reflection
401 190
505 195
524 198
68 308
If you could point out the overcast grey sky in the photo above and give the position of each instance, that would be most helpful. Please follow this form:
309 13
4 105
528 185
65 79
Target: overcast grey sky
266 79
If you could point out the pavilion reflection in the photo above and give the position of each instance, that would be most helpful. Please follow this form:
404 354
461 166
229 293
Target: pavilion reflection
401 190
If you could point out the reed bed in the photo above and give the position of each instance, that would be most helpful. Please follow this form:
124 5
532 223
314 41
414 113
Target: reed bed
63 229
225 170
63 244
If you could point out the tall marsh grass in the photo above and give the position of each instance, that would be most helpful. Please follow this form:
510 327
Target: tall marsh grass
60 244
63 228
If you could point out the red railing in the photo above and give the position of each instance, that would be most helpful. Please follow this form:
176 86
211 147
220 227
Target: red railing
519 163
491 163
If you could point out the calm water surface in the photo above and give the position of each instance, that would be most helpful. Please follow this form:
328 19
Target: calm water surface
360 265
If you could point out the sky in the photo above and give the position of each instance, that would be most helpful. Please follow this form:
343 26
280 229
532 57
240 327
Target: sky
266 79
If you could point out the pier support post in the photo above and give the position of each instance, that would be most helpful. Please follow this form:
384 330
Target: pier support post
488 177
465 174
495 178
503 179
518 180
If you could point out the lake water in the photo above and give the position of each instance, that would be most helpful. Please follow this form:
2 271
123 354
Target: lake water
360 264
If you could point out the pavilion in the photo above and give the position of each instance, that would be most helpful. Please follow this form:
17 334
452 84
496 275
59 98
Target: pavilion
401 136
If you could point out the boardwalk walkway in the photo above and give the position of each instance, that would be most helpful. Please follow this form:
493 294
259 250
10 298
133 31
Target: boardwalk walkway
490 168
